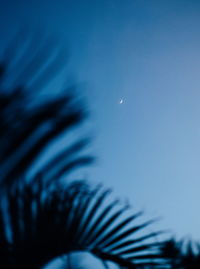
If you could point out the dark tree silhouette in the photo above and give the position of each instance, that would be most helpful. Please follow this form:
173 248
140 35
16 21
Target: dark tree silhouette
46 223
30 123
182 254
40 218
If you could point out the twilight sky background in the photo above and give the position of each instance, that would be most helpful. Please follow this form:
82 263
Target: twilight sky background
148 53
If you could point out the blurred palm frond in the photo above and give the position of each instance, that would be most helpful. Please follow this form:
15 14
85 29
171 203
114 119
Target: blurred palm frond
30 121
182 254
40 219
43 224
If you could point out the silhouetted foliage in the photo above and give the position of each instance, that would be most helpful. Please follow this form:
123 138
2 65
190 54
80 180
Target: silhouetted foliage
40 219
182 254
44 223
30 123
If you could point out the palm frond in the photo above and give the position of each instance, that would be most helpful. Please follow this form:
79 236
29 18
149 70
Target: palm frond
182 254
47 223
30 122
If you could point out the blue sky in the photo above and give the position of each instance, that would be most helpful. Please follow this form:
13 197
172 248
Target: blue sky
146 52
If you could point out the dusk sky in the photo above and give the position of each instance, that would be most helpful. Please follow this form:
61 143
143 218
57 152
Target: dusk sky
147 54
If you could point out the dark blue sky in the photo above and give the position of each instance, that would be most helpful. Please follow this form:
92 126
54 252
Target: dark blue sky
146 52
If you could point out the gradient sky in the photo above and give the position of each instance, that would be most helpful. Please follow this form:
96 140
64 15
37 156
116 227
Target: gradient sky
148 53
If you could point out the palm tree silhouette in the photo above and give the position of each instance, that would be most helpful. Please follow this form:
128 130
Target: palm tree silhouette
182 254
40 218
30 123
48 222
